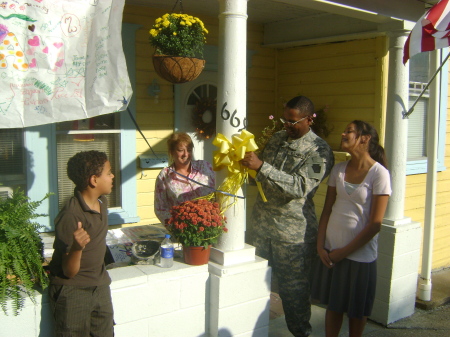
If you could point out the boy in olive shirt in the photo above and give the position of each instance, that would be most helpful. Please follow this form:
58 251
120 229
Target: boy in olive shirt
79 291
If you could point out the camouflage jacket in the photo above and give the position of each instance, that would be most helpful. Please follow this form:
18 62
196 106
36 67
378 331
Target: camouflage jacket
290 176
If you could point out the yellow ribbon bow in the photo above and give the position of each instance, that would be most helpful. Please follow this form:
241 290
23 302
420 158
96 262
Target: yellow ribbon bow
229 155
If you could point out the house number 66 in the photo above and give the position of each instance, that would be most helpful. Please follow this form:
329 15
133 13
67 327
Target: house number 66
234 121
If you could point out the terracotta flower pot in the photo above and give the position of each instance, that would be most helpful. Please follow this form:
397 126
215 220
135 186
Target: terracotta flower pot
177 69
196 255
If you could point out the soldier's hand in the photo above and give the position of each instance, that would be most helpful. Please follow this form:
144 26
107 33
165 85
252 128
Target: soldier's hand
80 238
251 161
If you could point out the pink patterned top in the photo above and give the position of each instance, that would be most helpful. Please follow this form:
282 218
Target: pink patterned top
172 189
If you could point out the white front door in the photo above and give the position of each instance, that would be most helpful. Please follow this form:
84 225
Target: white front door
194 112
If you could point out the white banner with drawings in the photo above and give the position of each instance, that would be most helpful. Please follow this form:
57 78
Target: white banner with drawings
61 60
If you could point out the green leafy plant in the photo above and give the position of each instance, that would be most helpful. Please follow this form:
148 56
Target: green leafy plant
196 223
21 251
178 35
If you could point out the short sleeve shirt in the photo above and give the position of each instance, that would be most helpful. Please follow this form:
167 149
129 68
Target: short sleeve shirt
350 212
92 268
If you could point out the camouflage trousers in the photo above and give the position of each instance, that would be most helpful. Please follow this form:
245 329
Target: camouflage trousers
291 264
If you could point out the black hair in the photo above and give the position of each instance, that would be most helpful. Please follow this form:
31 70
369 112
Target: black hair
82 166
376 151
303 104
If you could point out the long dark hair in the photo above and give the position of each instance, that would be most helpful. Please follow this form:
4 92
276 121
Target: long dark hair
376 151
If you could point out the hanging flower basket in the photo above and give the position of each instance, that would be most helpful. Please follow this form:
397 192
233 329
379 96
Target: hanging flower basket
178 40
178 69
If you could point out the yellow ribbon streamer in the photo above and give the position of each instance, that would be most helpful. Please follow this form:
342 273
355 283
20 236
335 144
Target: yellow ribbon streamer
229 155
252 173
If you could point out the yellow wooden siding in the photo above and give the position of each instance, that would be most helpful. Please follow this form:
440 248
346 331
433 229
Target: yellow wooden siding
157 119
345 76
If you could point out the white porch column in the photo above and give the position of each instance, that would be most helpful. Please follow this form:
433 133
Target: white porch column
232 119
239 281
232 100
399 239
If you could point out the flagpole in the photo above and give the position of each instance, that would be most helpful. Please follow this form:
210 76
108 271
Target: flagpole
406 115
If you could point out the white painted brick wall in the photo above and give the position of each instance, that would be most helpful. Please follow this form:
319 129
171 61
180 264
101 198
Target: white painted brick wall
239 288
398 262
148 301
153 302
240 299
243 320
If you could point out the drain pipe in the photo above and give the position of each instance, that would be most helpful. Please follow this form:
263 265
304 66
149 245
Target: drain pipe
425 285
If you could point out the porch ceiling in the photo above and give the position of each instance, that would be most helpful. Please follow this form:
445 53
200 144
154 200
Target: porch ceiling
297 22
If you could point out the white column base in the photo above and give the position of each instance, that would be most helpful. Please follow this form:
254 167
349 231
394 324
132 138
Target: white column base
397 272
231 257
240 299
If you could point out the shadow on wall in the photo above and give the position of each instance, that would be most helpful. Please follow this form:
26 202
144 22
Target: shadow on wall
46 325
224 333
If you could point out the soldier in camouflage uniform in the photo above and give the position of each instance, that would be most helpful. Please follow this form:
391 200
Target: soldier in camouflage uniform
292 165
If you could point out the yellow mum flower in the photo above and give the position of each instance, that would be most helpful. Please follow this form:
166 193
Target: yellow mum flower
168 26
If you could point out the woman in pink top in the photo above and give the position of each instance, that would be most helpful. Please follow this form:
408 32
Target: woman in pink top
357 197
172 186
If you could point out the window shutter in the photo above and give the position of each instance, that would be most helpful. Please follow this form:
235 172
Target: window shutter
67 147
417 128
11 152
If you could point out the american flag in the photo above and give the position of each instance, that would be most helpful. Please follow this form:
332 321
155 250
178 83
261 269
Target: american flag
431 32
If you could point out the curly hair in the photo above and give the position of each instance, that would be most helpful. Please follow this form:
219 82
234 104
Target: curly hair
82 166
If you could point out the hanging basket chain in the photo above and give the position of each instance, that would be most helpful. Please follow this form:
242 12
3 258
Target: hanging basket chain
181 6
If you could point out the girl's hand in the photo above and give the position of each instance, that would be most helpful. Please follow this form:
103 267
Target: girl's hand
336 256
324 256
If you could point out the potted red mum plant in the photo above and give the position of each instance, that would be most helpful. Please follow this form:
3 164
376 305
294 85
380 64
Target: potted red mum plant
196 224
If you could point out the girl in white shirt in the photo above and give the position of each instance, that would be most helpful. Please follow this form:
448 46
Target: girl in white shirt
357 197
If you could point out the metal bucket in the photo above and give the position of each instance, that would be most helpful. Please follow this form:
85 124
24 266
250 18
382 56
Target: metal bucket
144 251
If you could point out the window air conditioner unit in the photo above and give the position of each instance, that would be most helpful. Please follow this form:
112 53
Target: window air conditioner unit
5 192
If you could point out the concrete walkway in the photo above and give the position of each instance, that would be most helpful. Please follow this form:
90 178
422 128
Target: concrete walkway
430 319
